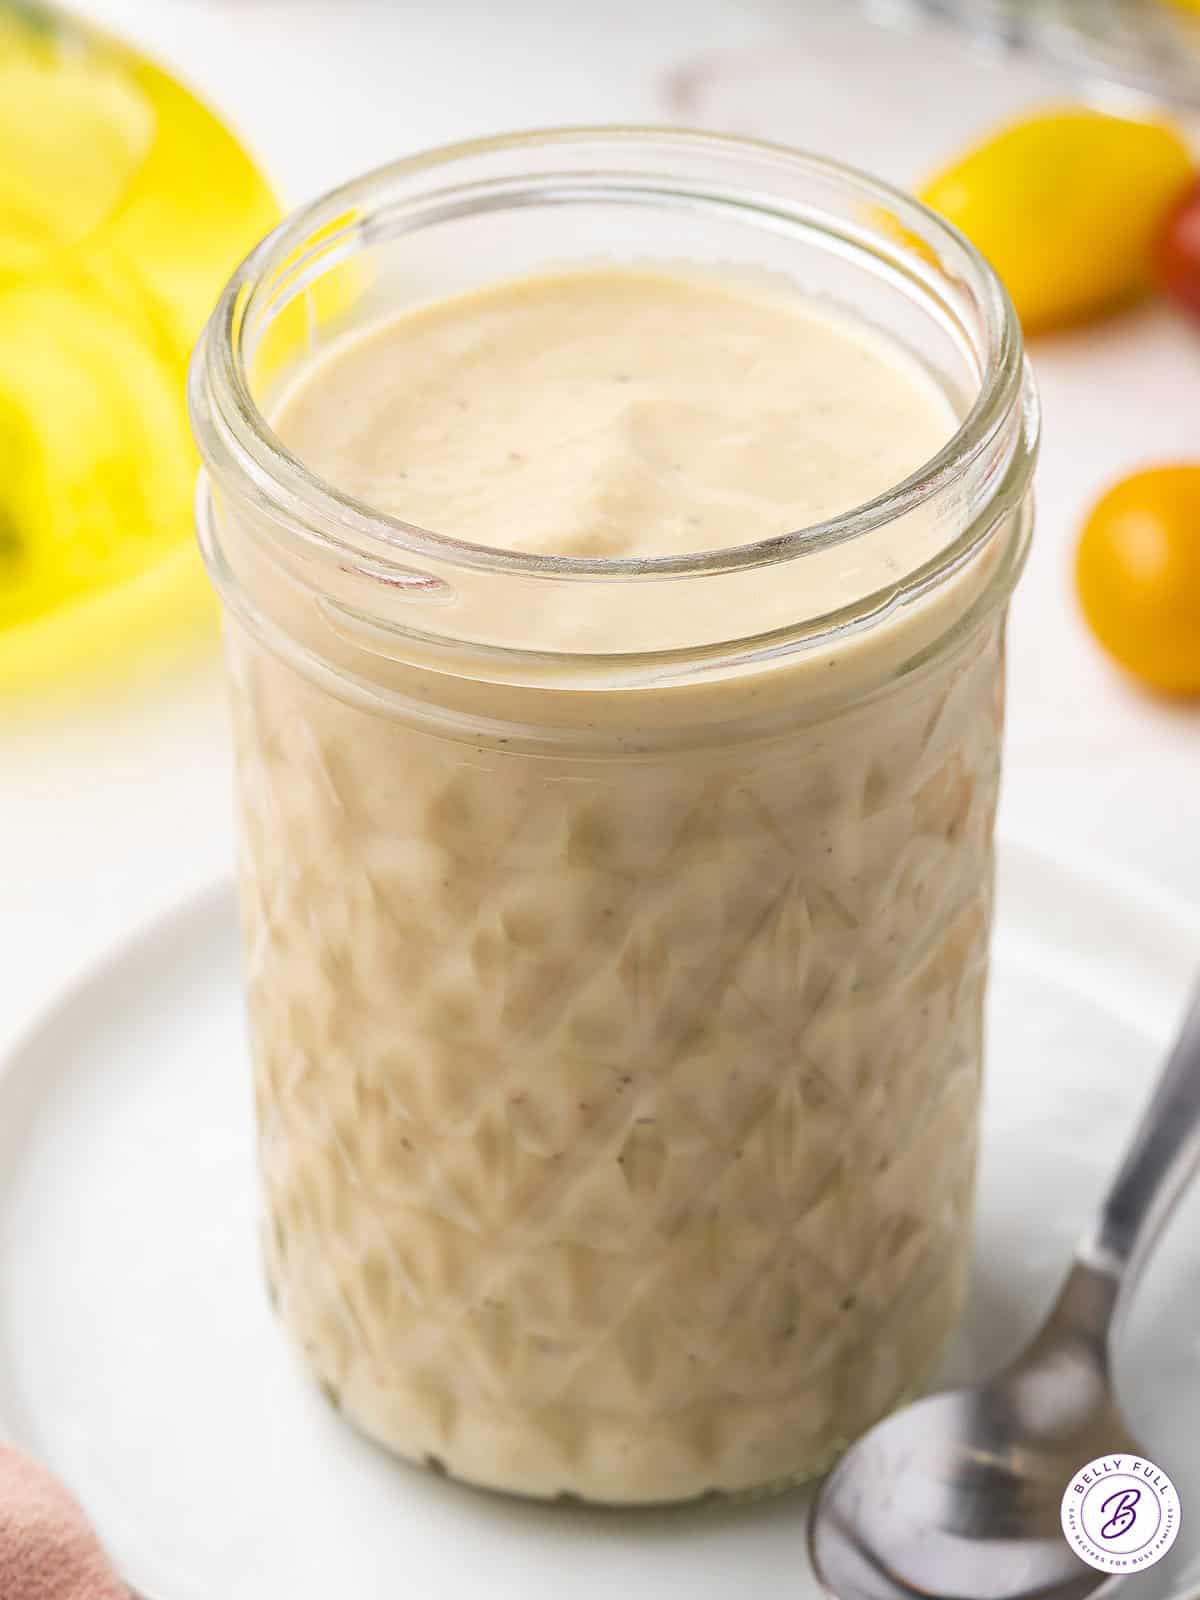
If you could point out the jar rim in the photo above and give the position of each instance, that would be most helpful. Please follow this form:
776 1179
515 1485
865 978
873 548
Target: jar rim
234 432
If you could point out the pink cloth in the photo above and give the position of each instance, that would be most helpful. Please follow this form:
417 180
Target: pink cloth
47 1548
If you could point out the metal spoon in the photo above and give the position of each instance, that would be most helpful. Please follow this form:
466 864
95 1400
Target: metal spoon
958 1497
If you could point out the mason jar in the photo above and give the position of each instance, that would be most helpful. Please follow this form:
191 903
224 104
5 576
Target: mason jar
616 989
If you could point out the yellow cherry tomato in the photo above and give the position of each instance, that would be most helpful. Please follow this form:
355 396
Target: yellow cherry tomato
124 205
1137 570
1067 207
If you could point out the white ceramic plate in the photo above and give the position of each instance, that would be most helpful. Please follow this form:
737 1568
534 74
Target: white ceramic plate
138 1356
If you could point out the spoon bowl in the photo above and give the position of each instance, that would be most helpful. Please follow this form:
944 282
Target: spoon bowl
959 1494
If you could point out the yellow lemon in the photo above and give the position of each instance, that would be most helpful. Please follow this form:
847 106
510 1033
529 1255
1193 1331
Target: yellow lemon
1067 207
124 205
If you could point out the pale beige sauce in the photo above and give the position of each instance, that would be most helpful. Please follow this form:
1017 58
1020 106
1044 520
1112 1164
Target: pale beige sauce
618 414
617 1118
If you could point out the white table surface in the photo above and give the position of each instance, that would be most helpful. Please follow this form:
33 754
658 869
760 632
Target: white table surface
116 807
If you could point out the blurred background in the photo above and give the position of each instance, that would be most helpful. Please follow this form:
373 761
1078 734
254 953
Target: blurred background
124 204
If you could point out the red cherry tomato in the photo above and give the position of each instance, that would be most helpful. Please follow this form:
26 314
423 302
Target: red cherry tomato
1179 251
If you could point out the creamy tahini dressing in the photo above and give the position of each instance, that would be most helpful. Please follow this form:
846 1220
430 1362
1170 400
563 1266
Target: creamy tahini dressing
617 1115
618 414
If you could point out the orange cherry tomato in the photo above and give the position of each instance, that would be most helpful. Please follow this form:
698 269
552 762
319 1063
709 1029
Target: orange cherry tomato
1137 571
1178 256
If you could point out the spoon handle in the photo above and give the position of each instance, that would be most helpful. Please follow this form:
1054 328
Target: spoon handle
1157 1166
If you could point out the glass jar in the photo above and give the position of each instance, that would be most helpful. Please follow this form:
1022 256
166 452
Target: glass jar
616 1008
1147 47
